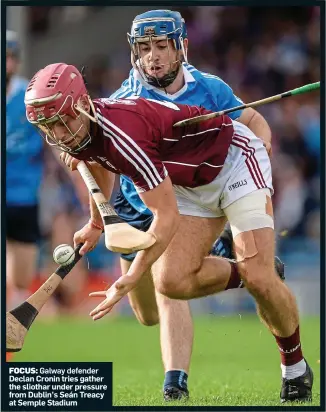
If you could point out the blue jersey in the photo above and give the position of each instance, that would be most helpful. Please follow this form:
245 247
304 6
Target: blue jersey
24 162
200 89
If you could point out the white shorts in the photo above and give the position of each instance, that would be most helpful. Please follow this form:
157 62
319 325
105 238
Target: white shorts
247 168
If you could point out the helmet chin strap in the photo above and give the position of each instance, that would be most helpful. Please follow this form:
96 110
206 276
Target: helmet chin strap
165 81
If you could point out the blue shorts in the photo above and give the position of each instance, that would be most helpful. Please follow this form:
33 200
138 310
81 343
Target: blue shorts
22 224
130 215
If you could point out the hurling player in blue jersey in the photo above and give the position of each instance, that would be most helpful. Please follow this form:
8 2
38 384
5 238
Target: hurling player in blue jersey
159 45
24 169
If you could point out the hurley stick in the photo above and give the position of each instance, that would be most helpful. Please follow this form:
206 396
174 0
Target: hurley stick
304 89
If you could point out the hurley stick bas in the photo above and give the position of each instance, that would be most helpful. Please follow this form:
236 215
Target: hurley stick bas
119 236
303 89
20 319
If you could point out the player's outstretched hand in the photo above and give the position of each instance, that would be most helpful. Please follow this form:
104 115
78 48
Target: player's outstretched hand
112 296
89 236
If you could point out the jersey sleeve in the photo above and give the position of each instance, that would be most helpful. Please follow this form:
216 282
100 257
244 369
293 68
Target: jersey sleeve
127 88
226 99
136 149
124 89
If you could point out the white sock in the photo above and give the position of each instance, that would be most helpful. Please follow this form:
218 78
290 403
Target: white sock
293 371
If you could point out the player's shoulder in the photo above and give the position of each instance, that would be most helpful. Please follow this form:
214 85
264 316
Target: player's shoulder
205 79
129 87
104 105
18 85
20 81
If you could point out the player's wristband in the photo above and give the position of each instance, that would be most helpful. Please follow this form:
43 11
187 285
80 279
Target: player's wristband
95 225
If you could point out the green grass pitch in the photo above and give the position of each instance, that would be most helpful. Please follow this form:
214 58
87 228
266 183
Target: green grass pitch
235 360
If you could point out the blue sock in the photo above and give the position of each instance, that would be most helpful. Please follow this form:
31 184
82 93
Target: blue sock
176 378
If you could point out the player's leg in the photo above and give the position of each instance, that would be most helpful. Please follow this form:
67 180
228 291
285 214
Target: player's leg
275 303
22 234
250 214
200 276
21 268
176 328
223 246
142 299
176 331
186 272
176 338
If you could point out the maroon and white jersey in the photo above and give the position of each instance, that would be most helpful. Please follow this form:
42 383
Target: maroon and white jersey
135 137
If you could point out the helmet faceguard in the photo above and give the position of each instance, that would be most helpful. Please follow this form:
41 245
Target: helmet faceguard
53 94
154 26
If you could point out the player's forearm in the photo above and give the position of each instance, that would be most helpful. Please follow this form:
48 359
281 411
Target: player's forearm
94 212
105 181
257 124
163 227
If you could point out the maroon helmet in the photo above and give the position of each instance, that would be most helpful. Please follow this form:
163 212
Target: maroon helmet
52 94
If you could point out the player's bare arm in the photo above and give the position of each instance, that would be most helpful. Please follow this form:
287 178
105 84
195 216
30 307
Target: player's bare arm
161 201
105 180
258 125
90 234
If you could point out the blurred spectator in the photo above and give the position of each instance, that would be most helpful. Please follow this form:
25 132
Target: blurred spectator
97 74
41 19
24 170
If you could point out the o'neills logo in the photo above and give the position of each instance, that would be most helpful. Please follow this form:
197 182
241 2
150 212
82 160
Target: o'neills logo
290 350
238 184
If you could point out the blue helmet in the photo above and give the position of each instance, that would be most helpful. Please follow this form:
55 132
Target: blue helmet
158 25
12 43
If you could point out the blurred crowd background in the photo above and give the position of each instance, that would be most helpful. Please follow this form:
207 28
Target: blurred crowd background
259 52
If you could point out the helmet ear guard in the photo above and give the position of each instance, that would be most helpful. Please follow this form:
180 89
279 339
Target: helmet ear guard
84 112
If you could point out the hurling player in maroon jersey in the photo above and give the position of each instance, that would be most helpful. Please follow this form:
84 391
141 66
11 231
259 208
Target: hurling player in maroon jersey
192 179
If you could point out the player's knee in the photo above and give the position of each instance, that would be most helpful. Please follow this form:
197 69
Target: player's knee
258 275
165 287
148 317
21 282
174 287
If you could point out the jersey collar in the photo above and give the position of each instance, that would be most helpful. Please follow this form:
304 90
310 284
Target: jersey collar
187 76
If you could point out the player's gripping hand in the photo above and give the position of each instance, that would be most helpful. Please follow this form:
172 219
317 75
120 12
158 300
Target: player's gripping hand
89 236
69 161
72 163
113 295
